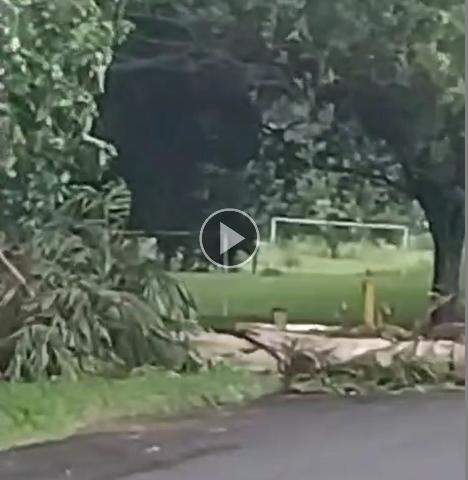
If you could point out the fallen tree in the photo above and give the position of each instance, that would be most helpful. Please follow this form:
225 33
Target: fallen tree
316 361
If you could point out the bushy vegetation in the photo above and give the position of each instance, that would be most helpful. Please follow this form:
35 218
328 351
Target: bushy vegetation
78 295
94 300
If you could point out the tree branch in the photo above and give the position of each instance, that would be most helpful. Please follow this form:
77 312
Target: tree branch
372 175
15 273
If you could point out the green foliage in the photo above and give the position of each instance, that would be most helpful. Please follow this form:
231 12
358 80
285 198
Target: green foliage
95 301
53 56
99 303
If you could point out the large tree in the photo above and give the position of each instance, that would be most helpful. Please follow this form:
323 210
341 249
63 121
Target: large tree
394 74
404 83
403 80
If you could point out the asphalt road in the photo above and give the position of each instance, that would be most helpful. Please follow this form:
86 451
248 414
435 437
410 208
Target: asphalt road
406 437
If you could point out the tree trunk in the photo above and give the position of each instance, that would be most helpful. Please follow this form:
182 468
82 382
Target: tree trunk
446 217
448 253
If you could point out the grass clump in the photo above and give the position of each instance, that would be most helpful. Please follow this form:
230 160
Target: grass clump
31 412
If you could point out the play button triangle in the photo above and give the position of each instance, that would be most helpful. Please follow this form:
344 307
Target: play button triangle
228 238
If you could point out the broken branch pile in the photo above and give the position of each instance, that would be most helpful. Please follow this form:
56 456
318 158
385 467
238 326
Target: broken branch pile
292 354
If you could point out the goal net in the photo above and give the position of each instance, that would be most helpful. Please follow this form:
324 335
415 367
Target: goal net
328 224
314 244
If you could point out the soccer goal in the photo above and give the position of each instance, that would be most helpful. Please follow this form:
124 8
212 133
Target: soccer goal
275 221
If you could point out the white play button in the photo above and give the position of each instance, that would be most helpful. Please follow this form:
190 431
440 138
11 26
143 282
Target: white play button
228 238
225 234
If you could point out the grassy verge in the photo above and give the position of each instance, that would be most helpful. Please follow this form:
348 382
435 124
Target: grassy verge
51 410
307 296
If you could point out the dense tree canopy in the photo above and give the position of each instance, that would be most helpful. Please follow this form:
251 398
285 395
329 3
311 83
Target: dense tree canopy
365 89
186 109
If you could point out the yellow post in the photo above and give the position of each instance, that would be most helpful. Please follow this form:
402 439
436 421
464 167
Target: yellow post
369 302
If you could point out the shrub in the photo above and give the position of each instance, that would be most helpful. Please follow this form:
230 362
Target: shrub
95 299
99 301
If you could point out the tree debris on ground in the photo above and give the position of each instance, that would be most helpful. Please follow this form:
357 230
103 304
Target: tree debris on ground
316 361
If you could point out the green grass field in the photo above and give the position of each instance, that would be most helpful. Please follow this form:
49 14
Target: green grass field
307 297
315 290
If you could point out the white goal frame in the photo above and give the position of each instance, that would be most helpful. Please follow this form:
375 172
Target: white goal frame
274 221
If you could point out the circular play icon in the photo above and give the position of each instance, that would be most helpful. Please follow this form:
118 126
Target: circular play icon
227 232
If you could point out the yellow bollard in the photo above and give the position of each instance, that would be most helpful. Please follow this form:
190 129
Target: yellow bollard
369 302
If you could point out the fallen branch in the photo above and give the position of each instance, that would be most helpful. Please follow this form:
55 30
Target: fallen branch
19 277
309 361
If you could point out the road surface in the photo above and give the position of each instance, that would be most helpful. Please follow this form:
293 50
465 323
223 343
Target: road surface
405 437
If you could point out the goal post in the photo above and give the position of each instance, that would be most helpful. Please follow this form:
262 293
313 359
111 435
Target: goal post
275 221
